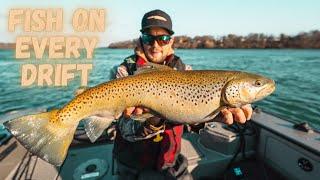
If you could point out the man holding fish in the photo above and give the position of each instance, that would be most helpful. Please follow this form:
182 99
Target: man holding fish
172 97
139 146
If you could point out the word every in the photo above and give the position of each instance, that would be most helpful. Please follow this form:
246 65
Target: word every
58 47
53 74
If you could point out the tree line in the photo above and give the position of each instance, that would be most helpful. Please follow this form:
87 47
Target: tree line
302 40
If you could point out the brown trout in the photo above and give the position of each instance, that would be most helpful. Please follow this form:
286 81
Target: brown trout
179 96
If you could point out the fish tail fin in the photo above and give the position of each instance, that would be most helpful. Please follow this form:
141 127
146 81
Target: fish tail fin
48 140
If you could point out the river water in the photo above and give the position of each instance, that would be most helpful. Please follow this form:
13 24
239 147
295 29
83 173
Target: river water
296 72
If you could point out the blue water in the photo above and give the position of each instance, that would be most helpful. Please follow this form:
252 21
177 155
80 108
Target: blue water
296 72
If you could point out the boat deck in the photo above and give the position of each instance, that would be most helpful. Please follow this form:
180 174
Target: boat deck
276 144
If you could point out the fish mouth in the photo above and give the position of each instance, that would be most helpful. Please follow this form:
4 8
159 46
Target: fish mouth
266 91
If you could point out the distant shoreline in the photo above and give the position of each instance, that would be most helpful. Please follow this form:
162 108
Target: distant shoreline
7 46
305 40
12 48
225 48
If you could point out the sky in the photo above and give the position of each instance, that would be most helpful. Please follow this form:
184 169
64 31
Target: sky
191 18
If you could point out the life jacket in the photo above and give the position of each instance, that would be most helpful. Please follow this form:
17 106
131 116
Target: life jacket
148 153
134 61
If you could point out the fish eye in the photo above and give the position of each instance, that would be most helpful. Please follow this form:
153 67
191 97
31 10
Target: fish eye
258 83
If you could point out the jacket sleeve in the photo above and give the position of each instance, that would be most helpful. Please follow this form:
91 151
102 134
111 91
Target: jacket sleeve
187 67
177 64
129 129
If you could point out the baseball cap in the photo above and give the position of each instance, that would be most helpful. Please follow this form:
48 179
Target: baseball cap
156 18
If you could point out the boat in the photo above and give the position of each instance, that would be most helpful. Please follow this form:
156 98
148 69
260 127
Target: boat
267 147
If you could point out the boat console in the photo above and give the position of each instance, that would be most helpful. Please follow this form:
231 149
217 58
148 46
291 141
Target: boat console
268 148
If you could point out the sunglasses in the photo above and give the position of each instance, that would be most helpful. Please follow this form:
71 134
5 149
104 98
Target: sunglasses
161 40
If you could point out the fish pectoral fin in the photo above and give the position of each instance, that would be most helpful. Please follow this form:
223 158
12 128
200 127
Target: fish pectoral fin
151 67
141 117
48 140
214 113
95 125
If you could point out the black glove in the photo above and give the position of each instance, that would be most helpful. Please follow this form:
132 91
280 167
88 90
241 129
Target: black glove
132 130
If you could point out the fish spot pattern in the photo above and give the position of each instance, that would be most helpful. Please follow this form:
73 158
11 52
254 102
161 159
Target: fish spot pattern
170 88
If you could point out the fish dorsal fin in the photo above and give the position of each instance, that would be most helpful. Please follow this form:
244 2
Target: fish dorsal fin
95 125
151 67
81 90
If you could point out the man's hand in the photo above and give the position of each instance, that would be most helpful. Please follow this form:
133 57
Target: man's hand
240 115
229 115
134 110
